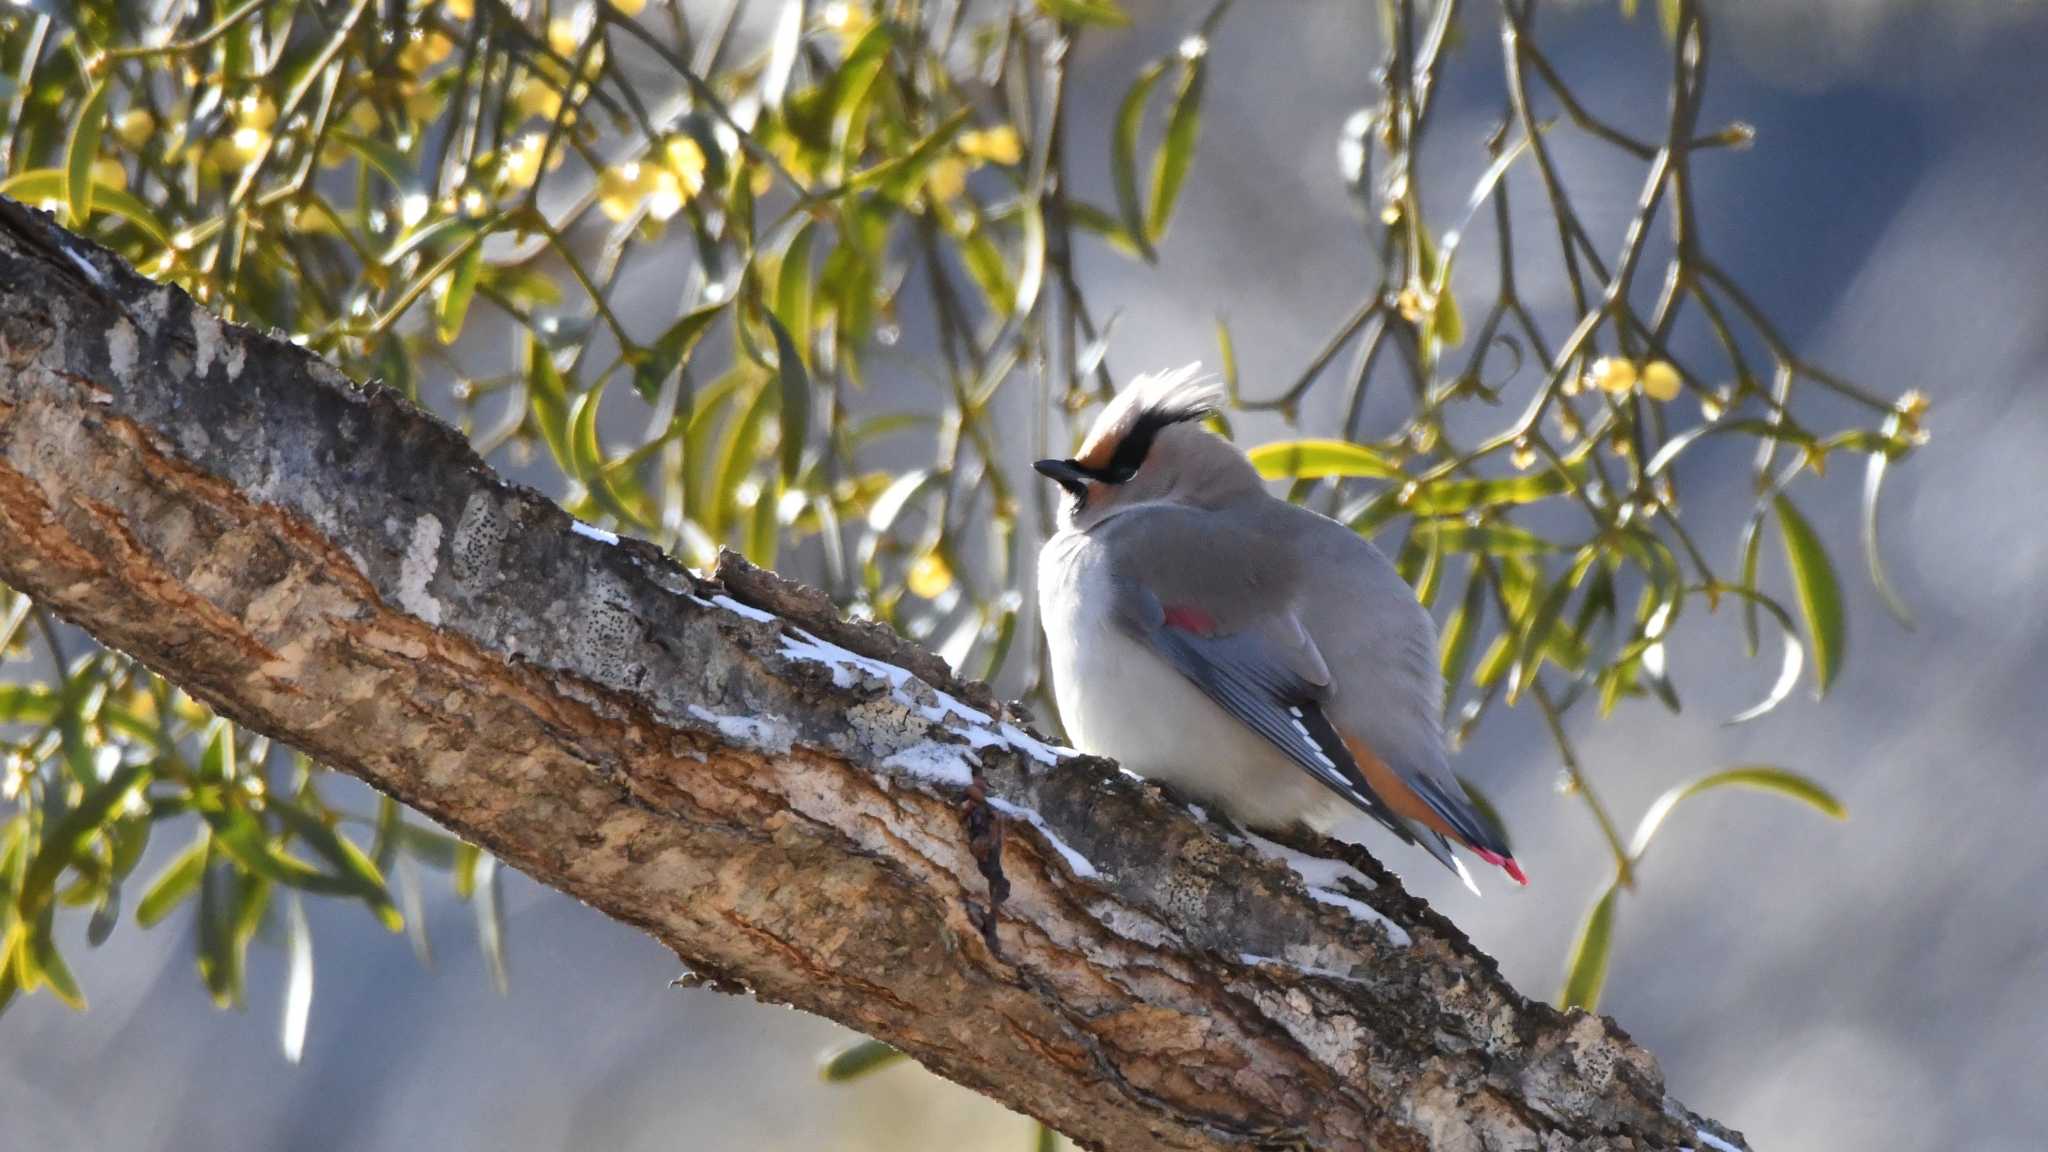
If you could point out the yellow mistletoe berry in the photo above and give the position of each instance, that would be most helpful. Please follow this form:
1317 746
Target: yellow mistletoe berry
1660 381
1712 405
948 179
363 118
1612 374
538 100
1412 304
254 111
929 577
683 157
848 21
424 49
464 9
999 145
107 172
521 166
619 190
134 127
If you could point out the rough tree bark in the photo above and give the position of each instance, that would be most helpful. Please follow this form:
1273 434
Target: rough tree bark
799 806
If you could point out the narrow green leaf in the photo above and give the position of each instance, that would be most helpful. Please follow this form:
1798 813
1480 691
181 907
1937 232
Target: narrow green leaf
1500 539
1873 483
298 986
428 232
1587 970
68 836
172 885
1047 1139
1226 356
49 967
586 454
1761 777
1752 547
856 1060
490 923
217 762
390 833
1183 130
1793 662
1100 223
1819 593
896 178
39 184
33 704
355 869
1452 496
795 396
1784 431
10 979
783 47
1487 812
763 533
82 150
1031 258
412 902
547 393
985 263
1123 156
468 862
1320 460
1460 633
672 350
793 285
106 914
217 958
1105 13
379 154
1539 625
850 86
454 303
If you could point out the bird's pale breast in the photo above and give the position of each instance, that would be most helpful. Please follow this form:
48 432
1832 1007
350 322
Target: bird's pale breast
1117 698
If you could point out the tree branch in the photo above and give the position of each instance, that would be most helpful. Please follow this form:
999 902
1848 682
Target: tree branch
782 797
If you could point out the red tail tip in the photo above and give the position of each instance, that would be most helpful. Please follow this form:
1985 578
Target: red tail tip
1506 864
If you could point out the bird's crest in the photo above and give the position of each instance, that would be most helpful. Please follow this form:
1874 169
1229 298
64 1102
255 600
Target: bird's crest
1150 403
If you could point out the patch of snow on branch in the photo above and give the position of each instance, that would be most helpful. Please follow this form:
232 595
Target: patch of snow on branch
1255 960
937 708
1320 877
739 609
591 532
930 760
1715 1142
90 269
1080 865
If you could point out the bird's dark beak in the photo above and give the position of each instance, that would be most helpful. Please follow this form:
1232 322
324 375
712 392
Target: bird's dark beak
1068 473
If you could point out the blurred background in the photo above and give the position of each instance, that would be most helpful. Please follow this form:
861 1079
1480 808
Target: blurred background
1877 983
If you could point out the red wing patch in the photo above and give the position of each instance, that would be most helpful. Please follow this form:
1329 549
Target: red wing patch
1189 618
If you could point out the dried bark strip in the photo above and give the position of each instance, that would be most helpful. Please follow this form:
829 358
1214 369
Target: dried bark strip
774 793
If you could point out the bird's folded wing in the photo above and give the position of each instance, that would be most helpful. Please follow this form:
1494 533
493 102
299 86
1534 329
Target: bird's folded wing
1267 675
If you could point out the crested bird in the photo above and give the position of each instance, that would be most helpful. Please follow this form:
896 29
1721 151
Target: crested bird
1247 651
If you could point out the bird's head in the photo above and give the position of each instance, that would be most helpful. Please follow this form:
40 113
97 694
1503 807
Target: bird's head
1148 446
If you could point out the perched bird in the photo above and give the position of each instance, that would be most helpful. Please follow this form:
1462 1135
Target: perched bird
1249 652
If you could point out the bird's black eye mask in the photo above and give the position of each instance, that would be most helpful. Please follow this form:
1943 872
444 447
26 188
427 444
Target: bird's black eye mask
1129 456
